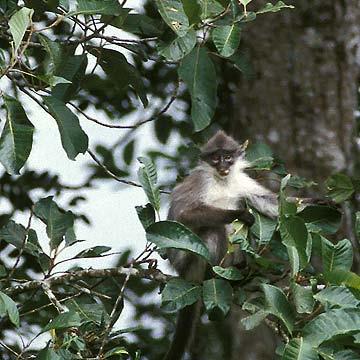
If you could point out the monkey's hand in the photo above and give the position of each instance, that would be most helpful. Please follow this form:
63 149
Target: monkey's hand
246 217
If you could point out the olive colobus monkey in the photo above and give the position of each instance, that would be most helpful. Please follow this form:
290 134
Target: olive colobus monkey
206 201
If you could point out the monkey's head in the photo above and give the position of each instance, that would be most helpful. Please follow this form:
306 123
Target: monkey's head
221 152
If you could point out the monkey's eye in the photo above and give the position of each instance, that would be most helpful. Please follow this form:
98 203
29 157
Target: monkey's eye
228 158
215 159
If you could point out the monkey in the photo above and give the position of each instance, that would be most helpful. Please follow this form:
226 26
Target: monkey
207 201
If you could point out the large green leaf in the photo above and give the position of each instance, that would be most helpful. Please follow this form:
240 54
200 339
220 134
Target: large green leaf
120 72
73 138
252 321
18 24
15 234
63 321
192 10
259 155
48 354
172 11
336 256
226 39
338 296
16 138
342 277
57 222
179 47
229 273
278 305
320 218
295 235
71 69
330 324
170 234
148 178
210 8
303 298
146 215
340 187
91 7
269 7
298 349
263 228
179 293
198 73
9 308
217 296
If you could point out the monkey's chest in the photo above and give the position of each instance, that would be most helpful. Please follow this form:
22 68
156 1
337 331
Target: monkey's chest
222 195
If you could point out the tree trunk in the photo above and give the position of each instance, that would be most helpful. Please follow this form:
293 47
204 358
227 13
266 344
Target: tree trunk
302 98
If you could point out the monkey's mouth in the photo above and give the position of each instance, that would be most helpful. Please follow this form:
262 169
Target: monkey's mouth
223 172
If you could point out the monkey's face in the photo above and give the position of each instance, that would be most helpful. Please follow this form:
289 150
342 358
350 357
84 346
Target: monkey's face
221 161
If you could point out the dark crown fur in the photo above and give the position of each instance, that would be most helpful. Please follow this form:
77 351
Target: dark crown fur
220 141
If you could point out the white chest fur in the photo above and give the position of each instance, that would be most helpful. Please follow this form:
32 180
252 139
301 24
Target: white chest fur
226 192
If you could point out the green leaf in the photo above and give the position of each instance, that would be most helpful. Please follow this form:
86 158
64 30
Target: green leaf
148 178
72 68
342 277
226 39
252 321
57 222
303 298
263 228
119 350
18 24
63 321
179 47
298 349
15 234
8 307
90 313
170 234
357 225
91 7
179 293
229 273
330 324
16 138
336 256
295 235
172 11
278 305
128 152
242 62
285 207
120 72
192 10
245 2
320 218
95 251
48 354
198 73
340 187
338 296
217 296
269 7
259 155
146 215
73 138
346 355
210 8
239 234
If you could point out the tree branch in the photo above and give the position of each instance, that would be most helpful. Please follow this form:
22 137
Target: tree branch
150 274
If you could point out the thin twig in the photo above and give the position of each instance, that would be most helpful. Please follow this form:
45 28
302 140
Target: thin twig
114 313
23 245
60 307
112 175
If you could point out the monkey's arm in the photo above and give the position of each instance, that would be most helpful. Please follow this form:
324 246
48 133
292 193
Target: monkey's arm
209 216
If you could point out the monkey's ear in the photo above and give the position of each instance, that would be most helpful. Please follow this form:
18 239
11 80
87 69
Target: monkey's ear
243 147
